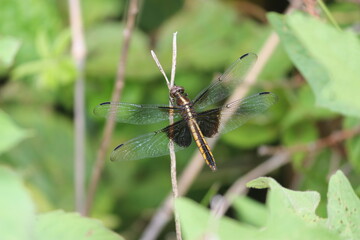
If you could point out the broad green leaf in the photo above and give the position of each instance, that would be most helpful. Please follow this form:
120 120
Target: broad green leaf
11 134
251 211
343 207
17 212
41 157
301 203
197 222
315 176
9 46
292 214
69 226
331 69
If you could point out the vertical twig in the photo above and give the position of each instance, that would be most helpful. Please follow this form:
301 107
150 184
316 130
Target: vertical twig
78 51
171 143
110 123
172 151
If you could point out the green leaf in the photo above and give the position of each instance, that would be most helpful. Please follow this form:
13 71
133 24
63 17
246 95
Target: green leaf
301 203
11 134
17 212
331 69
343 207
9 47
196 222
292 213
69 226
251 211
50 149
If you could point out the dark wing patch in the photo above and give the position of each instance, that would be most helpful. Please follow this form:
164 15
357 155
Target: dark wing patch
179 132
209 122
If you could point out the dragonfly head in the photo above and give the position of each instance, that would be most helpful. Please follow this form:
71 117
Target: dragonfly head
175 91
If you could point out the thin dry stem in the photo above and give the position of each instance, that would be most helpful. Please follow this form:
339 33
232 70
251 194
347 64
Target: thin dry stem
171 143
160 68
78 52
171 146
110 123
328 141
173 67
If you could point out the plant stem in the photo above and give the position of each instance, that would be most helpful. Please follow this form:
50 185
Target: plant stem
328 14
78 51
110 123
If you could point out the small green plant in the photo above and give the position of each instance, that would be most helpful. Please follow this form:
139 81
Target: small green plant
289 215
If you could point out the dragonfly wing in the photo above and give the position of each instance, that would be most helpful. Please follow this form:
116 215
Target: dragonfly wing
233 115
226 83
154 144
135 113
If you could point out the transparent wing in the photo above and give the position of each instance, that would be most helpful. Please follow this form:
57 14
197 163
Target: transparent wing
154 144
214 122
135 113
226 83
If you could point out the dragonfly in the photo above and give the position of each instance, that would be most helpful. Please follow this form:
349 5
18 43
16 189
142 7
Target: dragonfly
194 120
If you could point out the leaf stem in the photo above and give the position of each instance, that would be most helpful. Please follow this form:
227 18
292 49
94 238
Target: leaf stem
328 14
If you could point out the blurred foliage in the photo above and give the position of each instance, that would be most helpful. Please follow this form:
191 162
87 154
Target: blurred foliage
25 19
18 219
10 48
54 67
313 71
288 213
11 134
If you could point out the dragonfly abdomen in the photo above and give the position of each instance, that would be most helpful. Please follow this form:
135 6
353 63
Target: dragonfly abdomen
202 144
